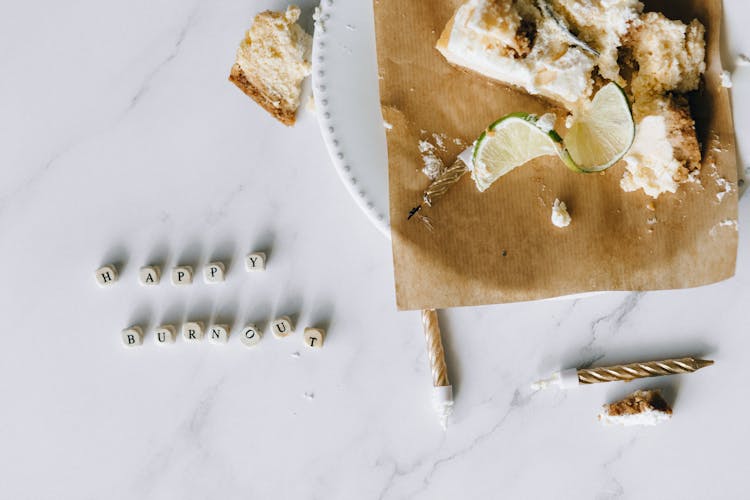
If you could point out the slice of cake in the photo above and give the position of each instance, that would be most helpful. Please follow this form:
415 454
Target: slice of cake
665 150
272 61
517 43
640 408
664 58
602 24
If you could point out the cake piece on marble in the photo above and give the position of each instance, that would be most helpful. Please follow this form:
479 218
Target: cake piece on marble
272 62
646 407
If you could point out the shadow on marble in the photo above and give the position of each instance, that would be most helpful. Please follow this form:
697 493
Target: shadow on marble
263 242
224 252
118 255
142 315
191 255
321 316
158 256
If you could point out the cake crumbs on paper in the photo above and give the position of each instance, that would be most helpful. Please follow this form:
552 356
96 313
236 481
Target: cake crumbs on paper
730 223
295 354
742 60
350 27
433 165
560 216
725 188
309 396
726 79
310 104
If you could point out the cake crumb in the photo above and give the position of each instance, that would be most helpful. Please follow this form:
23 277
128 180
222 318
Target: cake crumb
560 216
726 79
433 165
295 354
742 60
639 408
309 396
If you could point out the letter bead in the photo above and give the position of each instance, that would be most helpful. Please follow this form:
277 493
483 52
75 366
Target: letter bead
213 272
149 275
255 261
164 335
182 275
132 337
281 327
251 335
106 275
192 331
218 334
314 337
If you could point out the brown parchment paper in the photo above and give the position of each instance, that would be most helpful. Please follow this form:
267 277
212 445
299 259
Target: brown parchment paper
500 246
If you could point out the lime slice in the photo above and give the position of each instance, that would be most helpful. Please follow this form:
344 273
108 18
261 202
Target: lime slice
601 133
509 143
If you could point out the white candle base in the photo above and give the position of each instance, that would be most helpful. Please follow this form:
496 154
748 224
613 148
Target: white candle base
442 399
565 379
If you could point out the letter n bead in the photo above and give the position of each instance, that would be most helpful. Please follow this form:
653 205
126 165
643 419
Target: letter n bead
218 334
281 327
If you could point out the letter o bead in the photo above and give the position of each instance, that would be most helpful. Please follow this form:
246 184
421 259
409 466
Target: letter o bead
251 335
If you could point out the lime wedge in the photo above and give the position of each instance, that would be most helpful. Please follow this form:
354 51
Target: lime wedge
509 143
601 133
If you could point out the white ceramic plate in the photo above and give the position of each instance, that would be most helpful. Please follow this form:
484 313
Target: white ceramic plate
345 85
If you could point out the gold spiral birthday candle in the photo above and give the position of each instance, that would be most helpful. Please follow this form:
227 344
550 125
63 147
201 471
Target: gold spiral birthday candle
640 370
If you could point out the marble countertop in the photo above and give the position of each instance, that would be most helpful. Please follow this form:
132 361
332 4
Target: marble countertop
123 142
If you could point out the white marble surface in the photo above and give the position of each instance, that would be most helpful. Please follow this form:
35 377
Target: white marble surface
122 140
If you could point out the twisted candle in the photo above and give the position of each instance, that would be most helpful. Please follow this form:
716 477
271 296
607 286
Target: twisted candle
441 185
442 391
640 370
435 348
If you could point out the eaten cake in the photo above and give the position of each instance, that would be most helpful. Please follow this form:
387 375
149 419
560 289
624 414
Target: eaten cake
565 50
272 62
640 408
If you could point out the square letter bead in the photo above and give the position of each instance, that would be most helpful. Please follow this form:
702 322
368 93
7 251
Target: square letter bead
255 261
251 335
192 331
132 337
182 275
281 327
106 275
218 334
214 272
149 275
164 335
314 337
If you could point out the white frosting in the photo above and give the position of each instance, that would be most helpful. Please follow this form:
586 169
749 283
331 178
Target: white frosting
650 163
560 216
648 417
553 68
726 79
442 399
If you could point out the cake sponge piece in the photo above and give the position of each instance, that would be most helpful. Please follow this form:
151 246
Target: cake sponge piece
272 61
666 55
640 408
